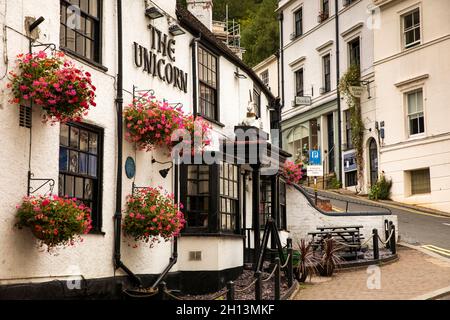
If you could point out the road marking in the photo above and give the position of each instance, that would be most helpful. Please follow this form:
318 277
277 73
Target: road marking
337 209
446 224
442 251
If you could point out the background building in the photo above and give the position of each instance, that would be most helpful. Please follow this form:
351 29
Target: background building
412 73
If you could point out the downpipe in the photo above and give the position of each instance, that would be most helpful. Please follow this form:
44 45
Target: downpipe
118 264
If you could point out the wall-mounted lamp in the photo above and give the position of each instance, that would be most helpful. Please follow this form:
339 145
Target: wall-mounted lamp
163 172
153 13
35 24
176 30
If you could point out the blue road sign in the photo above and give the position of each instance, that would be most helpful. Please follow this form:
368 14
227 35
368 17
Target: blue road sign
314 158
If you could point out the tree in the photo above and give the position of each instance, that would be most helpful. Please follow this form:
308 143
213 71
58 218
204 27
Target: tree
259 25
260 35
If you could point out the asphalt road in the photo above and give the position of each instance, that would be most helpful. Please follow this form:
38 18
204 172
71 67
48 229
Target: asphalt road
415 227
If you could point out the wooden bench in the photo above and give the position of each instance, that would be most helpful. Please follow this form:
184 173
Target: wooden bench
350 235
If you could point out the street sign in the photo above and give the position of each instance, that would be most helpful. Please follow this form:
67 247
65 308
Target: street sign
314 171
314 157
303 101
356 91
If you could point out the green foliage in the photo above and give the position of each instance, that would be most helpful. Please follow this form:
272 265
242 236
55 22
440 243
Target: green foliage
381 190
334 183
352 78
259 25
260 35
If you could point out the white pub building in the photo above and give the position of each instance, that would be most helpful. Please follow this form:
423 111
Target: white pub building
129 47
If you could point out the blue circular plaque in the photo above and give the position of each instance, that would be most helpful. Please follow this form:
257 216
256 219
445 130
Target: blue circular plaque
130 167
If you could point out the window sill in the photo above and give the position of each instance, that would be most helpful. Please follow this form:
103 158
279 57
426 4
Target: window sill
220 124
416 136
82 59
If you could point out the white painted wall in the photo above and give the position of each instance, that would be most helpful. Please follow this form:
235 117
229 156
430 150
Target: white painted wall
304 218
271 66
20 260
394 65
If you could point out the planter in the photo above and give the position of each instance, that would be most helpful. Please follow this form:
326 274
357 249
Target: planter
299 276
326 270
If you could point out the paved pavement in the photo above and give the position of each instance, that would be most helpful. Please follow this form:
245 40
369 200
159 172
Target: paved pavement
415 227
415 274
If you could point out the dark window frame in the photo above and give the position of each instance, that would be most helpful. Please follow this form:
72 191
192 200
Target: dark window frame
214 205
326 66
300 82
97 183
354 57
351 178
325 9
298 22
97 32
412 29
201 83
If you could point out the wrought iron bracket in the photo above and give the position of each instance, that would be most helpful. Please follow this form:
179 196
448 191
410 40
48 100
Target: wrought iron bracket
137 98
135 188
46 46
43 182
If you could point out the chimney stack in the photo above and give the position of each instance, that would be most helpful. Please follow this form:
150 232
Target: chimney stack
202 10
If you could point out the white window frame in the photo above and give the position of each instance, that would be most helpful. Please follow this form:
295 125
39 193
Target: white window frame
265 77
406 94
407 12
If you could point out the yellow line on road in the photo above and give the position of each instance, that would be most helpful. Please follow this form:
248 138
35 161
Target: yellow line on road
437 248
337 210
442 251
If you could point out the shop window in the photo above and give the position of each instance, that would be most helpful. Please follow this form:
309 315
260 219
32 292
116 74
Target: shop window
351 179
80 166
197 196
265 209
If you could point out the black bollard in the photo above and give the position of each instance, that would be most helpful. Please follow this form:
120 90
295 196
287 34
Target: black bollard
290 267
230 292
162 288
258 286
393 245
376 251
277 279
386 232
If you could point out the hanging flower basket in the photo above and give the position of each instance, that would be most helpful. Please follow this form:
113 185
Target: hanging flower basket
64 92
292 172
152 215
55 221
154 124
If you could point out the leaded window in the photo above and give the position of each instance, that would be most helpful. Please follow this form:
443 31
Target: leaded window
197 196
80 161
207 74
80 27
229 196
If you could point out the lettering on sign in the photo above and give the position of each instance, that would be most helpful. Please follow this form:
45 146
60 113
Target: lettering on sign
157 60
